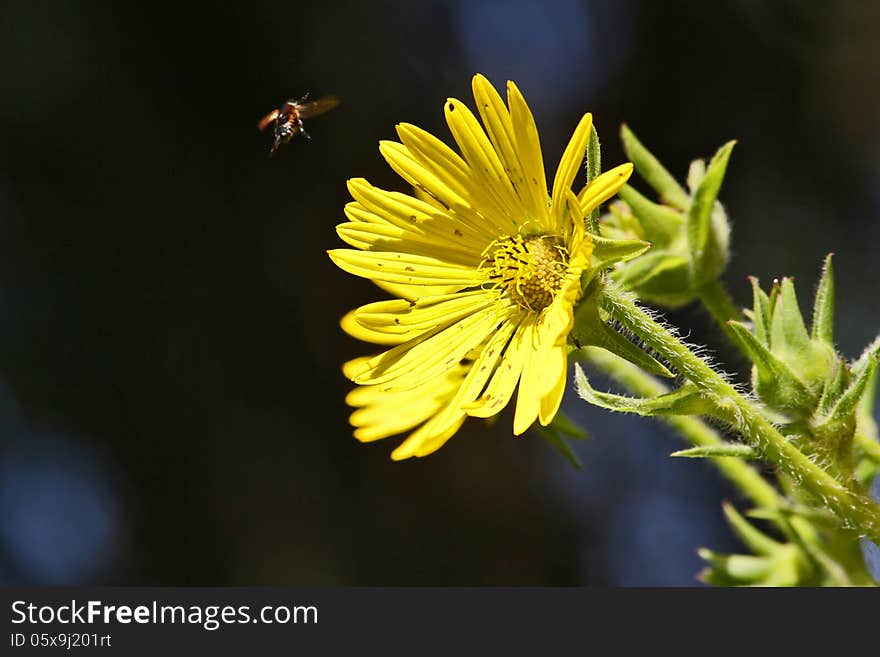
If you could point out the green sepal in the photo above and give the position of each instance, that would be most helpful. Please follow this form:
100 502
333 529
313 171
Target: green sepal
834 386
739 568
849 400
788 334
786 513
737 450
823 307
657 277
660 223
555 439
696 173
649 168
865 412
607 252
705 255
776 383
754 539
565 426
687 400
591 329
761 312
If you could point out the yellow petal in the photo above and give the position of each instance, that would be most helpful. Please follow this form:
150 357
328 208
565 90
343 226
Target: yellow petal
413 292
429 355
568 168
503 382
399 317
356 330
604 187
395 267
551 401
384 237
428 438
528 147
485 165
499 127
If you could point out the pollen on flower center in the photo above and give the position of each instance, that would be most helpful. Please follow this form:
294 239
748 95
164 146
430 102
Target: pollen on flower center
530 270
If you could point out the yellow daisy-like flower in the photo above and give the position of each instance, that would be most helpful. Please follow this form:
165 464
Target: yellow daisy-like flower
486 264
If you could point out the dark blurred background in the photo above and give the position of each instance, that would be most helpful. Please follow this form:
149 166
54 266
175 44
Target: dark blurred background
171 403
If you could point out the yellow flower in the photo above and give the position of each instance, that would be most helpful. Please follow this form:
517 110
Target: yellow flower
486 265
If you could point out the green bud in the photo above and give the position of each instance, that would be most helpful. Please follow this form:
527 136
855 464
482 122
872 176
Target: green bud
772 564
797 372
688 230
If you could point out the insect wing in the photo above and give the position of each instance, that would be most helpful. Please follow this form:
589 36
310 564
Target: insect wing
325 104
269 118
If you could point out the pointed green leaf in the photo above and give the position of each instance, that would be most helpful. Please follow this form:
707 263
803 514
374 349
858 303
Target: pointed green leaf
774 296
566 427
608 251
871 352
761 312
660 223
774 376
684 401
557 442
699 214
737 450
850 399
835 386
743 567
612 341
696 173
823 308
757 541
649 168
651 265
788 333
865 412
591 329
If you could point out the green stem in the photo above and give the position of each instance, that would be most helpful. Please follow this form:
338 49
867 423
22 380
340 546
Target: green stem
855 510
694 430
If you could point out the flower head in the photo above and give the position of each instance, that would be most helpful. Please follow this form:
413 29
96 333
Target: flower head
486 265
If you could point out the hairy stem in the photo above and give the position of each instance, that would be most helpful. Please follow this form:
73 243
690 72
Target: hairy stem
857 511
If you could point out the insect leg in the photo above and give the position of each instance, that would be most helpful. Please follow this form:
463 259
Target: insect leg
299 124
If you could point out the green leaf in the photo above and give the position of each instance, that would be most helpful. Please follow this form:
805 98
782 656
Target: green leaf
660 223
761 312
737 450
696 173
742 567
652 171
850 399
699 214
775 378
609 251
835 386
865 411
684 401
557 442
650 266
823 308
591 329
564 425
788 333
755 540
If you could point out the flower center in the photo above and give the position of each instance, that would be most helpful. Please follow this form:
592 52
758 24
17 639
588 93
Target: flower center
530 270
